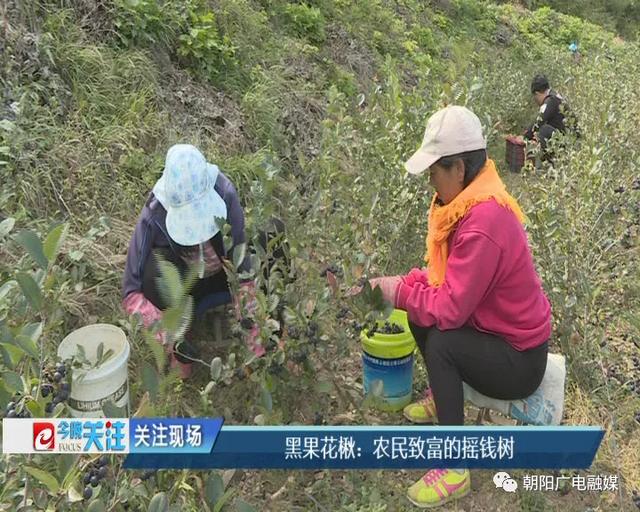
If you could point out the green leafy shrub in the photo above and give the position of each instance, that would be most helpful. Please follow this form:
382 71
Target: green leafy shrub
305 21
150 22
204 48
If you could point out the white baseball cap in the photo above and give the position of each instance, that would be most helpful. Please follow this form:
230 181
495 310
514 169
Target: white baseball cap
451 130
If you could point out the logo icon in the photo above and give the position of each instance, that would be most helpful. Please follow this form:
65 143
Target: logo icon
503 481
44 436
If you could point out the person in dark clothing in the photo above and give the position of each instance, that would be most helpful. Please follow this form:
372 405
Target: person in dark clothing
551 116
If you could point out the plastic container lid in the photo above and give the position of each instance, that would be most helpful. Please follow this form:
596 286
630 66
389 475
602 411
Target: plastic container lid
390 346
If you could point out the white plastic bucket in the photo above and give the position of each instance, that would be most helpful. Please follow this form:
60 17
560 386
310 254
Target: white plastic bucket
108 382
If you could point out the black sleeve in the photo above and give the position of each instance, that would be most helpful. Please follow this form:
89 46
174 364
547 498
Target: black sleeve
551 110
530 132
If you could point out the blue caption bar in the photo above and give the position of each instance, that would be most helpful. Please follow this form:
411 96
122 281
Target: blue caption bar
389 447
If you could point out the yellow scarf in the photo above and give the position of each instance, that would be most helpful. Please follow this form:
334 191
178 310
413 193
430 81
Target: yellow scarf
443 218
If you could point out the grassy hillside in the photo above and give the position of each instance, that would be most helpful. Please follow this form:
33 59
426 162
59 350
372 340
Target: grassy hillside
311 109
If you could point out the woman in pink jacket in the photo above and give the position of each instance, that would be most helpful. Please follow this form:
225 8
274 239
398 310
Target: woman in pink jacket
478 311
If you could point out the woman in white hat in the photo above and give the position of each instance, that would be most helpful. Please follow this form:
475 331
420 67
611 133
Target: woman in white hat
179 223
478 311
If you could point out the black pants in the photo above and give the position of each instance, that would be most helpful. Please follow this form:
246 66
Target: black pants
485 362
545 133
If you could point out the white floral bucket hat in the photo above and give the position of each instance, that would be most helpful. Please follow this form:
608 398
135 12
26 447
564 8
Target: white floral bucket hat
186 190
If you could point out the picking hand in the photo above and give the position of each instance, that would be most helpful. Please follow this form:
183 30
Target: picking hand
389 286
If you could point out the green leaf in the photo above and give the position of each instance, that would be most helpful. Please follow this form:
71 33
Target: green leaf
100 351
267 400
7 125
159 503
76 255
150 380
176 320
216 368
5 395
6 226
6 288
170 283
324 386
46 478
239 252
156 349
40 498
33 331
30 289
214 489
111 410
13 381
36 409
73 495
223 500
11 354
54 241
81 353
243 506
30 241
66 463
171 318
96 506
105 357
28 337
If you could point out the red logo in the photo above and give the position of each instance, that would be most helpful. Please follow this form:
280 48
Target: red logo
44 436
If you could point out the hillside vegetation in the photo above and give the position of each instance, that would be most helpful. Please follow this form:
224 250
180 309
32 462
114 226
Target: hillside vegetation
311 109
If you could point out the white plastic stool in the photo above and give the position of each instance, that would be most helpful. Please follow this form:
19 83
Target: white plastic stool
544 407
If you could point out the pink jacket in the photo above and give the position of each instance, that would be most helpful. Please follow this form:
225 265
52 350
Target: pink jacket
490 282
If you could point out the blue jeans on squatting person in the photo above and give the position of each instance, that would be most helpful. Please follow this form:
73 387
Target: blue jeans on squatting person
486 362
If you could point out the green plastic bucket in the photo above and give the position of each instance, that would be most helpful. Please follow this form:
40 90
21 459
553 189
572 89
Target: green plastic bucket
388 358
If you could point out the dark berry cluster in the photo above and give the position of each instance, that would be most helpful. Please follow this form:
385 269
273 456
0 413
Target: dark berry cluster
334 269
56 386
148 474
342 313
94 473
312 332
16 409
386 328
357 326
